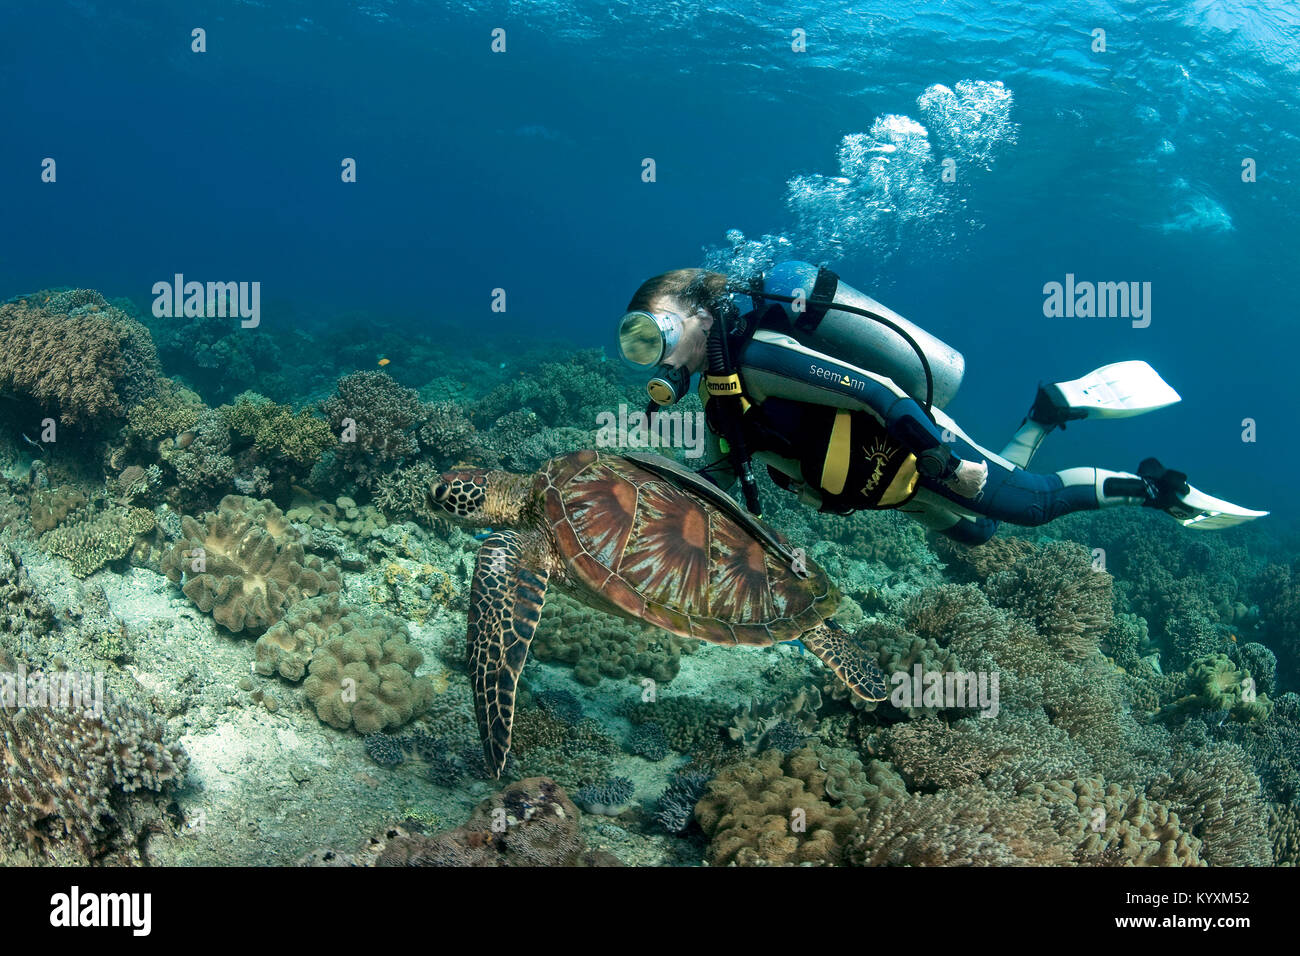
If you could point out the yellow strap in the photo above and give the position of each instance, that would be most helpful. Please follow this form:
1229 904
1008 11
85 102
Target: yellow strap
835 467
723 384
902 486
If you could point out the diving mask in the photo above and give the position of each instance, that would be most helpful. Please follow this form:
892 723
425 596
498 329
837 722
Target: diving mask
644 338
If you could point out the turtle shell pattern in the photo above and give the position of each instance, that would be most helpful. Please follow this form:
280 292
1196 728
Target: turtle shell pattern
650 550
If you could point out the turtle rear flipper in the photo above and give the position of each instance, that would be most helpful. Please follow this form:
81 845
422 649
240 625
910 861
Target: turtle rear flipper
851 664
505 605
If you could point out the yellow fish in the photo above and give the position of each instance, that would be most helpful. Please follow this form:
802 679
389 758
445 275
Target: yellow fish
384 361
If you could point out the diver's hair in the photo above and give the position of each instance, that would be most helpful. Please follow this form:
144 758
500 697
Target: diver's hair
697 286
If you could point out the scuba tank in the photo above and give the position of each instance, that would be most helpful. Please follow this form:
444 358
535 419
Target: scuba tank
869 344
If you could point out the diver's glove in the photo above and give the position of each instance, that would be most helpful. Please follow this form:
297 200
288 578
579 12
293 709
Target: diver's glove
965 478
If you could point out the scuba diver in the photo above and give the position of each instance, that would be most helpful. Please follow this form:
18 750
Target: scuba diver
842 399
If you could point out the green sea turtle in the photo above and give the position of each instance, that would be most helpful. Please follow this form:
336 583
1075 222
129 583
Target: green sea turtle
641 537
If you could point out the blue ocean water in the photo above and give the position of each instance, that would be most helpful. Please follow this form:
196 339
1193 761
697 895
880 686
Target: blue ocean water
952 159
522 170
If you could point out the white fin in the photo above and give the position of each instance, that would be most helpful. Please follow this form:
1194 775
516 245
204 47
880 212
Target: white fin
1121 390
1199 510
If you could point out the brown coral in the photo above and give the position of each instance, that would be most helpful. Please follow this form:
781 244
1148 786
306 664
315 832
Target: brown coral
364 676
245 564
1058 591
87 364
783 811
69 775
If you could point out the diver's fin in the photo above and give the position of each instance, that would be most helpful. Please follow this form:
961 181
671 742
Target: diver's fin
1121 390
1189 507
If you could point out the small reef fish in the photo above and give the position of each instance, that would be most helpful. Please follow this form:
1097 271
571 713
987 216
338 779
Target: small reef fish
384 361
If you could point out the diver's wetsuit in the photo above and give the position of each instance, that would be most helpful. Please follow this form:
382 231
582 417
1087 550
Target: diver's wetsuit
849 440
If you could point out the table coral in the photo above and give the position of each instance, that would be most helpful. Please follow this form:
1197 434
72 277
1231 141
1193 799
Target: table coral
245 564
365 677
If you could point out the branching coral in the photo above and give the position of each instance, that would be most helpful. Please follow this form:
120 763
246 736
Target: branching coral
69 776
245 564
278 433
374 420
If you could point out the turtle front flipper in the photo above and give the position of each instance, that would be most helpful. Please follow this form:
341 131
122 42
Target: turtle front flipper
505 605
851 664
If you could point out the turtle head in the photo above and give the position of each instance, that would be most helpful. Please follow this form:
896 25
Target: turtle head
480 497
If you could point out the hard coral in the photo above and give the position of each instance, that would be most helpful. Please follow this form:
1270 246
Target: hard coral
70 776
375 420
245 564
277 432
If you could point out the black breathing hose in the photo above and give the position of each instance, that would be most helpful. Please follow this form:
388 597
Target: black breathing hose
720 365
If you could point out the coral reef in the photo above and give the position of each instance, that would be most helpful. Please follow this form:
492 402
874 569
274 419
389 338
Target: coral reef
676 805
780 810
75 780
1057 590
75 356
605 798
279 435
91 538
530 822
375 421
365 677
287 646
245 564
600 645
1215 687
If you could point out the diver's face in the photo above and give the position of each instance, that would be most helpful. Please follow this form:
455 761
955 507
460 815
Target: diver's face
691 350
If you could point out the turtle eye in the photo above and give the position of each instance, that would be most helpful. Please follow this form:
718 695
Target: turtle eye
440 493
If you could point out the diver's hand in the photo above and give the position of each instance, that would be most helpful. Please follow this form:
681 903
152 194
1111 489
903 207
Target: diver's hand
969 478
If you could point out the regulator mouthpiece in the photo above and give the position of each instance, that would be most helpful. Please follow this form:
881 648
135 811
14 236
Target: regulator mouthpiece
669 385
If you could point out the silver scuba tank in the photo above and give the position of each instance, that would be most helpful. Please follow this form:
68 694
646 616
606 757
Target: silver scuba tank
865 343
